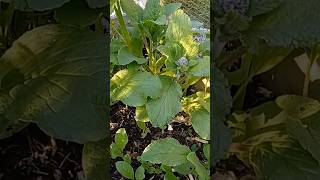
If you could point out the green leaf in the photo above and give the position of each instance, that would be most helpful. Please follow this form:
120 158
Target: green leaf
222 103
121 138
166 151
77 12
133 11
258 7
152 10
179 27
170 176
298 106
163 109
190 46
141 114
173 51
279 27
38 5
267 59
139 175
202 68
125 57
127 158
125 169
171 8
115 151
200 169
133 88
97 3
206 151
95 160
184 169
306 136
200 119
64 91
281 158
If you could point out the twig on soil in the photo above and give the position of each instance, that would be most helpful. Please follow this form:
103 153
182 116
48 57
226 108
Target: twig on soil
64 159
40 172
54 147
197 139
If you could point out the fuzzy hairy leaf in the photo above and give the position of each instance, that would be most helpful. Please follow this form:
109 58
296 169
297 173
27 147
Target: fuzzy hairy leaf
133 88
163 109
166 151
179 26
125 169
202 68
200 119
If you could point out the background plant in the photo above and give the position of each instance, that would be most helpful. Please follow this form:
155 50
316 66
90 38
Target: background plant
54 74
278 138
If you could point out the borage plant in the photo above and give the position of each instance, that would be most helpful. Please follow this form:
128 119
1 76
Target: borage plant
157 54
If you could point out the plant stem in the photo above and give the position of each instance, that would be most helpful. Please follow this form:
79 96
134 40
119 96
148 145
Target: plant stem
307 79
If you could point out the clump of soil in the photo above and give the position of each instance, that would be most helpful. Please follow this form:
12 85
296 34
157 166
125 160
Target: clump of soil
124 117
32 155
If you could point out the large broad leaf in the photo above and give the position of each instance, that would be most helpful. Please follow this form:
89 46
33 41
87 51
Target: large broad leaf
282 158
179 27
163 109
95 160
125 57
202 68
222 103
308 136
133 11
8 127
97 3
298 106
273 149
77 12
65 82
200 169
166 151
279 27
133 88
152 10
28 5
258 7
201 123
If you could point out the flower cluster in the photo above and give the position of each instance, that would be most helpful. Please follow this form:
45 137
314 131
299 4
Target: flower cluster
183 61
200 38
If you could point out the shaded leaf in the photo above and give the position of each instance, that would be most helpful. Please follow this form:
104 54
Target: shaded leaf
95 160
64 93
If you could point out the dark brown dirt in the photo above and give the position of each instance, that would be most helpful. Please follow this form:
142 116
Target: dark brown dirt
123 117
32 155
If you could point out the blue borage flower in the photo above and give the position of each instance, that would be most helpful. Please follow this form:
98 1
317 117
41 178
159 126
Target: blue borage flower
200 38
183 61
